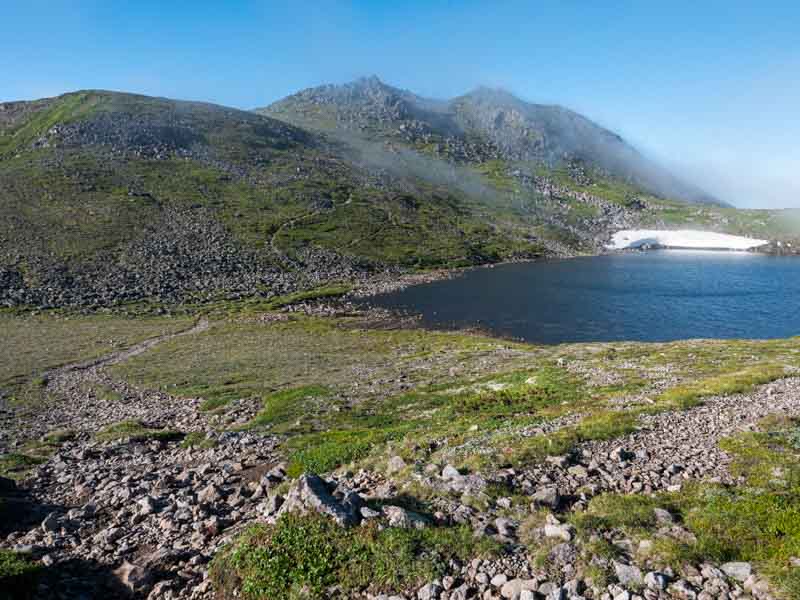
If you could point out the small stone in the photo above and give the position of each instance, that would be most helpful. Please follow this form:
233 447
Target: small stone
133 577
547 497
209 494
50 523
450 472
429 591
499 580
395 464
739 571
656 581
558 461
405 519
663 516
578 471
147 506
368 513
513 589
562 532
628 575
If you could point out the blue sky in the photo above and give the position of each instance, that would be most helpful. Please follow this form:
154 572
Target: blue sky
711 88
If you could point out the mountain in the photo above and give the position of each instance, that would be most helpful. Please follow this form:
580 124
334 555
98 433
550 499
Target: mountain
482 125
113 198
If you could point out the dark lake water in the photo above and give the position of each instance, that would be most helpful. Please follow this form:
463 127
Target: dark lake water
651 296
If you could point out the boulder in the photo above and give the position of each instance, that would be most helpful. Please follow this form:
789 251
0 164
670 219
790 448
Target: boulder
133 577
309 494
547 497
739 571
404 519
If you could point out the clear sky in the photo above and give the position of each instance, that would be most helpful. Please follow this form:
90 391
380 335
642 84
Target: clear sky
712 88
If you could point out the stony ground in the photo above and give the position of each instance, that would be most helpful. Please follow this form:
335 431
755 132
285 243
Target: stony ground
142 514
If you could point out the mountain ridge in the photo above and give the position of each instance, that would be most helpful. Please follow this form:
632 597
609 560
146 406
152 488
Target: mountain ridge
111 198
511 128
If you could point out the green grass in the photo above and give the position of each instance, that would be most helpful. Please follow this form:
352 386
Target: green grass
330 291
18 576
16 465
135 431
198 440
613 511
691 394
303 556
36 343
323 452
552 387
282 408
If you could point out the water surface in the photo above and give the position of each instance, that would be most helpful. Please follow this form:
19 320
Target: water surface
650 296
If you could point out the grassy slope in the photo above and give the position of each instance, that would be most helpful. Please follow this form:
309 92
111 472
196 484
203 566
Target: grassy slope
33 344
77 203
339 392
663 212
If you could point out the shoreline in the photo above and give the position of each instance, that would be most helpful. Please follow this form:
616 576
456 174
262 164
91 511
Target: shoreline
384 284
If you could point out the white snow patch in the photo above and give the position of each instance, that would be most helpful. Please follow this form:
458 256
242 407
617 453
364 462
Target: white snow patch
681 238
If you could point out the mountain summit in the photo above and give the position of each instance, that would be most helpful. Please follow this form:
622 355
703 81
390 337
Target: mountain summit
484 124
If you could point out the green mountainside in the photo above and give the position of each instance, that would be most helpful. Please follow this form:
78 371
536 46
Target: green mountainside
109 198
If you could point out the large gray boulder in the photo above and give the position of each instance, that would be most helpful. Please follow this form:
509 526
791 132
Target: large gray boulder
310 494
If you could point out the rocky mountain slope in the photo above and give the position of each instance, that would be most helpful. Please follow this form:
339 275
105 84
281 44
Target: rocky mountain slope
483 125
109 198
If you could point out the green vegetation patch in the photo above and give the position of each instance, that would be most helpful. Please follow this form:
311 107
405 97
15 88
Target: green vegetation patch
691 394
325 292
36 343
16 465
284 408
135 431
18 576
312 557
543 388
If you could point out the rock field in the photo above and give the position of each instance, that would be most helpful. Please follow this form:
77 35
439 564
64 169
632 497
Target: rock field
143 518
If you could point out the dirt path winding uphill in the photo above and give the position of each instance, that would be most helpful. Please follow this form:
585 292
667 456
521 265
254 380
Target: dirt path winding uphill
82 398
201 325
